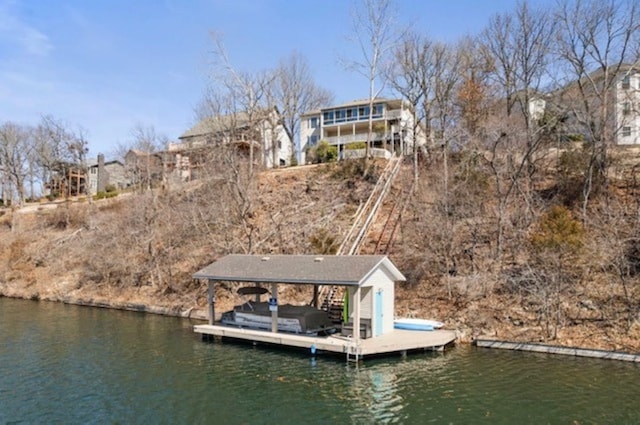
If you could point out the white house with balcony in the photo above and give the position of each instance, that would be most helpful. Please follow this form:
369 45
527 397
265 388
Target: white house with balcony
627 94
394 127
580 104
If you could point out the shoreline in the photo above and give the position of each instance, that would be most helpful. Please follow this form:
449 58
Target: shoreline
190 313
201 315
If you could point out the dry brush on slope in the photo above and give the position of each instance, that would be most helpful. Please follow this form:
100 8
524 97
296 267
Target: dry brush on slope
554 278
142 249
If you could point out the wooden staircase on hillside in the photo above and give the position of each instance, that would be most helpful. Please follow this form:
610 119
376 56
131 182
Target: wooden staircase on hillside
387 235
333 296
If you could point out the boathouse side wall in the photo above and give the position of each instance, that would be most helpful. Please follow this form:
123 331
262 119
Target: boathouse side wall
381 282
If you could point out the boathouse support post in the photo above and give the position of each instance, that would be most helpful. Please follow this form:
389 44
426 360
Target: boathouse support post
212 302
356 316
274 311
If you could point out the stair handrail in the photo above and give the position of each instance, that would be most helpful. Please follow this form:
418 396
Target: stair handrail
378 193
400 206
374 210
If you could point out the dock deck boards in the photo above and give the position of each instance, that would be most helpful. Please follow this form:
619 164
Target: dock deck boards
396 341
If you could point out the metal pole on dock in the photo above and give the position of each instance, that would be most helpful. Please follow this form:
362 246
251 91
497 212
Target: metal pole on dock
212 301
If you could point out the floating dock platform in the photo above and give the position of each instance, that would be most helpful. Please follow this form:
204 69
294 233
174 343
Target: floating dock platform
557 349
397 341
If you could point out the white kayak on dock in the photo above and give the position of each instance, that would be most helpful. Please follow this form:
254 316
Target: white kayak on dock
412 324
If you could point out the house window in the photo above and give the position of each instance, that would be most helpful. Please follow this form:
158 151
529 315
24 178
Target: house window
626 131
626 82
626 108
328 117
377 111
313 140
313 122
363 112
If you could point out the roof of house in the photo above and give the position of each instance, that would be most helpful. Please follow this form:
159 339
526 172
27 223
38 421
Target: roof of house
615 72
350 270
359 102
138 152
222 123
93 162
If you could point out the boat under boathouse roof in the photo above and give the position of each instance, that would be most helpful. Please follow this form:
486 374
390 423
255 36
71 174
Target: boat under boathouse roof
339 270
365 325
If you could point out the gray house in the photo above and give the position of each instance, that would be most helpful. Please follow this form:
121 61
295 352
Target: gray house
102 174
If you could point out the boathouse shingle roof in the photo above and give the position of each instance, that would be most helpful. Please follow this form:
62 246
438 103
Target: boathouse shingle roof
350 270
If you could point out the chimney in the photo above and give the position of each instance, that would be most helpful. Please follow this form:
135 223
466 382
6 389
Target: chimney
102 174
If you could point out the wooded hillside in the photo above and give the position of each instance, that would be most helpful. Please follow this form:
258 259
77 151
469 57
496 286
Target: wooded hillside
484 263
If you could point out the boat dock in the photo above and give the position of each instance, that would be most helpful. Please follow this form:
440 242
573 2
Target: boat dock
397 341
368 305
556 349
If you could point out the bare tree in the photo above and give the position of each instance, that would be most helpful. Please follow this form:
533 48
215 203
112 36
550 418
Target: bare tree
53 141
150 144
247 91
474 91
297 93
595 46
517 44
411 76
230 175
14 148
374 33
614 249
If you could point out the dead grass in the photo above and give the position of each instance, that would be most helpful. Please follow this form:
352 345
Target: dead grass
142 250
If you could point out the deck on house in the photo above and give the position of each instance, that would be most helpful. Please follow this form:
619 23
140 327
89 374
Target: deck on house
397 341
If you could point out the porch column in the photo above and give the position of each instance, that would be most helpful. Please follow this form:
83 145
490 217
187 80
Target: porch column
386 134
212 302
338 145
356 316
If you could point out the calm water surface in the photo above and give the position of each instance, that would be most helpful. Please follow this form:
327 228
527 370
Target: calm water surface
75 365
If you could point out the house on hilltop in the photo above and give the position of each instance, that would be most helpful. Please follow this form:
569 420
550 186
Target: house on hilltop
142 168
343 125
103 174
261 130
617 90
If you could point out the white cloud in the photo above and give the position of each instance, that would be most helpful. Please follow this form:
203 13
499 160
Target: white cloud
17 31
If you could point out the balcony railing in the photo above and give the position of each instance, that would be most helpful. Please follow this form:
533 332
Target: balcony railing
358 137
388 115
394 115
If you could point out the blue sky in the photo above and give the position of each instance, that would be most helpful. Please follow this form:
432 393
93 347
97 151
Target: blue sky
107 66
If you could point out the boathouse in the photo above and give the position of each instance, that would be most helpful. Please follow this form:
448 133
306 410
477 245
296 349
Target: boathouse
369 281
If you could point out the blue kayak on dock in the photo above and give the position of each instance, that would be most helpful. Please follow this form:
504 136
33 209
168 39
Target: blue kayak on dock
416 324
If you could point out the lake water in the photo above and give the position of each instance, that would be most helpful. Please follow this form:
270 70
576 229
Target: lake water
77 365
